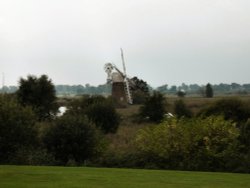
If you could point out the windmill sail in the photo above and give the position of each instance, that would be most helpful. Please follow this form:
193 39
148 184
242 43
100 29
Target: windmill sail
126 80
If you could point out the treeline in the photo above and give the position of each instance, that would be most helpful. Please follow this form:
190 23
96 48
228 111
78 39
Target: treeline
195 89
63 90
214 139
90 133
67 90
105 89
31 132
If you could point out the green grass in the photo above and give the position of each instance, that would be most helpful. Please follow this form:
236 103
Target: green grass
28 176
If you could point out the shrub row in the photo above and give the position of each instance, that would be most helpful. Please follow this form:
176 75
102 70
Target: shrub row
213 141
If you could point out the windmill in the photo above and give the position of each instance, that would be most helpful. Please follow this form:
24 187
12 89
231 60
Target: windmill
119 80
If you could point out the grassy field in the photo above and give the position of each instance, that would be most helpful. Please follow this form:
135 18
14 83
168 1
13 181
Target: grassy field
28 176
195 104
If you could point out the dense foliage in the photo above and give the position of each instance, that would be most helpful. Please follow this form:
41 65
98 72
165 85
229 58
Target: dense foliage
197 144
181 110
39 93
231 108
104 116
99 110
195 89
140 90
216 139
154 108
191 89
181 93
17 130
209 91
72 139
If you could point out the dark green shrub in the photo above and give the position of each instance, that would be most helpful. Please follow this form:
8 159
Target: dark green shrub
181 110
104 116
33 156
154 108
188 144
99 110
139 97
16 129
72 138
231 109
245 137
209 91
181 93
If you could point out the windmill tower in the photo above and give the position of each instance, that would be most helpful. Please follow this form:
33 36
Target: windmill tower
120 82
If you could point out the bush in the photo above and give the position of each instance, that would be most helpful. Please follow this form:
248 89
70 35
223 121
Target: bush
139 97
245 139
194 144
231 109
181 110
181 93
16 129
104 116
72 138
121 152
33 156
153 108
99 110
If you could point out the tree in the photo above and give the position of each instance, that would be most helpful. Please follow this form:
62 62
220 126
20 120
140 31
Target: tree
39 93
139 84
140 90
16 128
173 89
181 110
104 116
209 91
99 110
154 107
72 138
181 93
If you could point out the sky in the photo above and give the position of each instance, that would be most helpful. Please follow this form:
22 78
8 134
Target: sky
164 41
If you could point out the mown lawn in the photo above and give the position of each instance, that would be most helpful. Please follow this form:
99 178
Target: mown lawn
29 176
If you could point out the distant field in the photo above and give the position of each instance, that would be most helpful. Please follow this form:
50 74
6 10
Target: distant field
44 177
195 104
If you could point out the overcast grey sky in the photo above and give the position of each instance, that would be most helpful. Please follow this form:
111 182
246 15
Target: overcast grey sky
164 41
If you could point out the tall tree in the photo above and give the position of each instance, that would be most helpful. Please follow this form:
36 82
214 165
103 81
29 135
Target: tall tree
209 91
39 93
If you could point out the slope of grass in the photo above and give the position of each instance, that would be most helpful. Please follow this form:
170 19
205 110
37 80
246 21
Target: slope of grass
28 176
